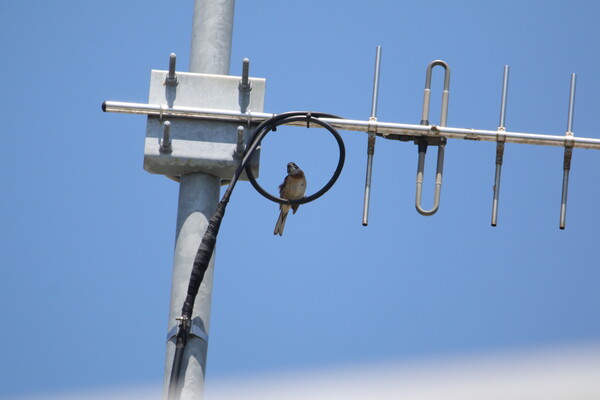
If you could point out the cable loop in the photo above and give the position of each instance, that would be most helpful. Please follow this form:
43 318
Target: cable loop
271 125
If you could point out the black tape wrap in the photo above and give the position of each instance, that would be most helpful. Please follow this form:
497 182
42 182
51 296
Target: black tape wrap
202 259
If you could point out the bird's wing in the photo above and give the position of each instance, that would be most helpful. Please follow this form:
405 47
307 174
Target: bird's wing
282 187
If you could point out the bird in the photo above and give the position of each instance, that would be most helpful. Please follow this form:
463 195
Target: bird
292 188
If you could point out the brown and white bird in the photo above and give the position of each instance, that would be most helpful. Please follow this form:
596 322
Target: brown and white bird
292 188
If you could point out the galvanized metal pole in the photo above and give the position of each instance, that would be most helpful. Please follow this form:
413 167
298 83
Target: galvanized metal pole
198 196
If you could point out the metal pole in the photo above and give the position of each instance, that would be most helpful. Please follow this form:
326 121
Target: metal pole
198 196
211 36
568 154
374 100
371 139
500 146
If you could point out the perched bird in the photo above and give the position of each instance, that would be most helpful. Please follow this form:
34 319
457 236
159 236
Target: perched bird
292 188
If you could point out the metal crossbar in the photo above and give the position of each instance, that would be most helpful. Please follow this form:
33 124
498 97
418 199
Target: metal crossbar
388 130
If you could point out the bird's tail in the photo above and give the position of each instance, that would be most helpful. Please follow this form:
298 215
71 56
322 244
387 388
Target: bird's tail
280 223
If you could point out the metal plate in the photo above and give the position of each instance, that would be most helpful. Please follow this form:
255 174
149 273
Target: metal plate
200 145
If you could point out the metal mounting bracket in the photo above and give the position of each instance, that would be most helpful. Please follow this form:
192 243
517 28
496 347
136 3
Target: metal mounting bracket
199 145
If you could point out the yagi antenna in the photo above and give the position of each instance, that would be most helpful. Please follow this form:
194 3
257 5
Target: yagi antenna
168 150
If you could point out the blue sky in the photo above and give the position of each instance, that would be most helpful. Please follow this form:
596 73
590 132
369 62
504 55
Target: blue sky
87 234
